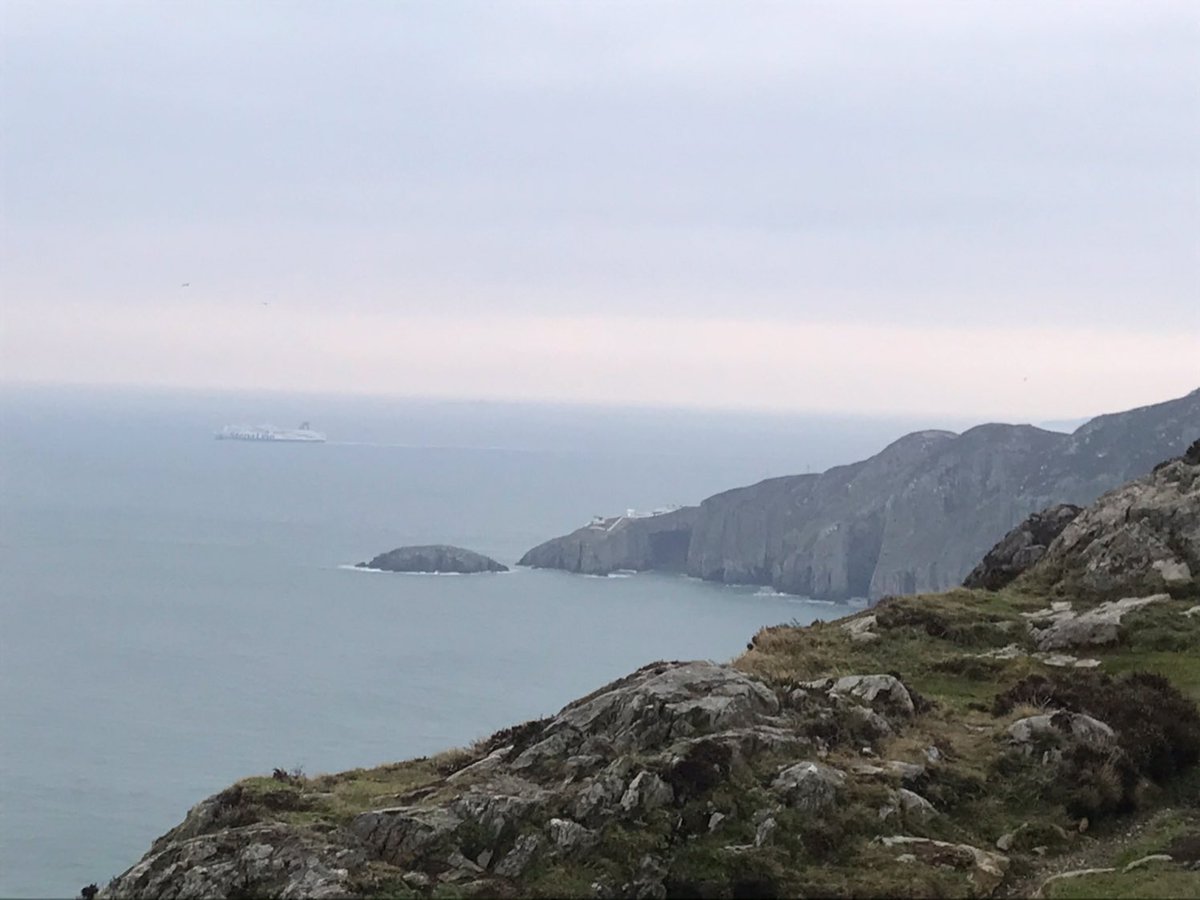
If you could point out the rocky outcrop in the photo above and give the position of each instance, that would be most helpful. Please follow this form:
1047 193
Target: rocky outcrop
652 745
1063 628
657 542
260 860
918 516
1021 548
986 869
1141 538
434 558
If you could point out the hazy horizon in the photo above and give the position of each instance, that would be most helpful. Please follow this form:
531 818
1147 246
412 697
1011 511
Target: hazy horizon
267 399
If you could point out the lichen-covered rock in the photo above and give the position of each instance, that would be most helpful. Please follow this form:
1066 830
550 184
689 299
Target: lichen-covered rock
263 860
911 805
517 860
884 693
1021 548
647 792
400 835
1096 627
1048 733
1139 539
658 701
568 835
809 786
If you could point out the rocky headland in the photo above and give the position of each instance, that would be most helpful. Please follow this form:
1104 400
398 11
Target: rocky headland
435 559
917 516
1041 739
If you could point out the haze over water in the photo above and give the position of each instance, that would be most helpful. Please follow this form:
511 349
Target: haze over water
177 612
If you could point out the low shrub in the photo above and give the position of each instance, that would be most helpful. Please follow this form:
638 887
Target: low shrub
1157 726
1157 735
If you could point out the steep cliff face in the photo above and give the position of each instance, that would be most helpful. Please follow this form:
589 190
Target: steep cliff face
915 517
654 542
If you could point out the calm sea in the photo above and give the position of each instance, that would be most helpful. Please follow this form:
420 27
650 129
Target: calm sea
177 612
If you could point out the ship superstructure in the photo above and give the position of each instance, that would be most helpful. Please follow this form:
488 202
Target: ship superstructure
302 435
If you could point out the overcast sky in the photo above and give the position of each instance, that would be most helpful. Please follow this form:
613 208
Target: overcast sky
978 208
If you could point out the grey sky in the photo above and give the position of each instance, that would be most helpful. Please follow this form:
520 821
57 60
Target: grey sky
961 166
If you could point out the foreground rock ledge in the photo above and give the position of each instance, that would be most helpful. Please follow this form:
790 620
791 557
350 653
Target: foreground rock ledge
647 748
434 558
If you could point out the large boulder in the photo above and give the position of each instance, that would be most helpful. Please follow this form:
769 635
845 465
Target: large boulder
1098 627
434 558
659 701
1021 547
809 786
1048 733
1139 539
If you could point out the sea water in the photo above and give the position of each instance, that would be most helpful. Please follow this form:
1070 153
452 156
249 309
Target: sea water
178 612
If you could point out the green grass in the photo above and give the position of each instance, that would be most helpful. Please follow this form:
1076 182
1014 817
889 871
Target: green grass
1167 882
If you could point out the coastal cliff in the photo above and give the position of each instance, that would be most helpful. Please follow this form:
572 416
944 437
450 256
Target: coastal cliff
1039 740
915 517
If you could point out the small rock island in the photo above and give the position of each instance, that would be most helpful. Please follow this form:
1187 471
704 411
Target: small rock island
434 558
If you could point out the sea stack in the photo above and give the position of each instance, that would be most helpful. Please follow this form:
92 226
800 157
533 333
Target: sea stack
434 558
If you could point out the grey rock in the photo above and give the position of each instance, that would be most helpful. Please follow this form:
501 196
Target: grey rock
1052 731
645 793
914 805
649 883
809 786
660 700
258 860
517 859
501 805
715 820
859 625
764 834
461 868
600 794
400 835
1021 548
1141 538
883 693
434 558
1094 628
568 836
416 880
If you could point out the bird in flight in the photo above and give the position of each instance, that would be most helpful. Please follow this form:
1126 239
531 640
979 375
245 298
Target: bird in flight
186 284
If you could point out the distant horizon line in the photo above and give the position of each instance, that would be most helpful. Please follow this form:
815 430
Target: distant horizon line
1064 419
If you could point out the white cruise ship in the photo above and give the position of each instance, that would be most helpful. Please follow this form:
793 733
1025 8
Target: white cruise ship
302 435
